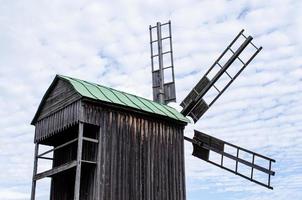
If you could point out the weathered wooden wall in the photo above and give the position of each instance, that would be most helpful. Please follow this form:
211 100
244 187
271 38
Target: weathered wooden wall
139 154
139 158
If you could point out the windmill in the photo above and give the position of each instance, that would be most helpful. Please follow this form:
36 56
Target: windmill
201 98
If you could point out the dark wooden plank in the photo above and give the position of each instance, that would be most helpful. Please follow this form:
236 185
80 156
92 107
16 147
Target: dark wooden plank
174 164
177 163
118 158
136 174
108 157
160 161
113 158
152 155
122 156
183 187
156 162
170 177
56 170
148 159
103 139
131 159
126 156
166 164
143 160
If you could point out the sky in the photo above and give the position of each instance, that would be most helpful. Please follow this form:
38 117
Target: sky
108 42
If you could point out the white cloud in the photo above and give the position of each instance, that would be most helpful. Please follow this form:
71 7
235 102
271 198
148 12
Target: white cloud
107 42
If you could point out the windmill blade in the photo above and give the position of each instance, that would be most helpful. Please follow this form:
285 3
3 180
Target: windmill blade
204 144
195 105
163 80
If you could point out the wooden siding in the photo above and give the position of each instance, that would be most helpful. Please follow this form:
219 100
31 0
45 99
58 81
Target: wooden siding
139 158
60 95
57 122
136 158
62 186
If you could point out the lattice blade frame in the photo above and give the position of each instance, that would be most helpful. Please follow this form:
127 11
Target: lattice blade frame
194 104
203 144
163 91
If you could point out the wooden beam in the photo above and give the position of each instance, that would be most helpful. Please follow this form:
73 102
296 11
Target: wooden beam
33 186
56 170
58 147
46 158
90 140
79 163
89 162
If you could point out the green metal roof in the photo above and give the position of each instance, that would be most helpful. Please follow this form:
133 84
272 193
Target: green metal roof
106 94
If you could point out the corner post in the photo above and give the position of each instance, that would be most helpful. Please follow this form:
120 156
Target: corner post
79 162
35 168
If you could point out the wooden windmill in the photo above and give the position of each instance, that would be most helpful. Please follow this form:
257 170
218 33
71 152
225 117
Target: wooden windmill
198 101
107 144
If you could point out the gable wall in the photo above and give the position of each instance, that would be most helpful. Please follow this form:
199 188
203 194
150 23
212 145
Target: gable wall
59 97
59 110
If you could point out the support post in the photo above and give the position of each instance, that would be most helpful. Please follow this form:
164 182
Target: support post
35 168
79 163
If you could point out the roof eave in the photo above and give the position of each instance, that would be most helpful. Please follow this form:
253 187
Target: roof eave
183 123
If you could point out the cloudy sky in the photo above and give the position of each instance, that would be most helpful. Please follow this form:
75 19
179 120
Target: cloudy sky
108 42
